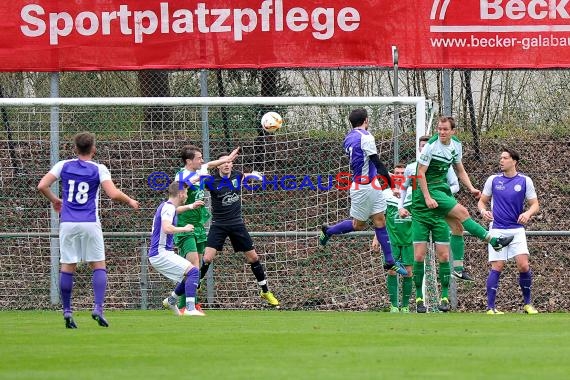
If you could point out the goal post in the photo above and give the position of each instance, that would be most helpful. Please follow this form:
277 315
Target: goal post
283 220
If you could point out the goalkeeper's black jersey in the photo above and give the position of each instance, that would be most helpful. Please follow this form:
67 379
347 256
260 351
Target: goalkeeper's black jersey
226 198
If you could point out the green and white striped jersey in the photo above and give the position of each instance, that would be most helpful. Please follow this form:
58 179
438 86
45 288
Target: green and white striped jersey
439 157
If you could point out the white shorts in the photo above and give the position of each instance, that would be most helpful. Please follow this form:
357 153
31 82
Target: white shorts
81 242
169 264
517 247
366 200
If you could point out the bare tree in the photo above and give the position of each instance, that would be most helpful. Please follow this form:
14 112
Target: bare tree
154 83
471 113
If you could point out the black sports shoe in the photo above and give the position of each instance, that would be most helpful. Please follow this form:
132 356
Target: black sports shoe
100 319
70 323
420 307
501 242
323 237
444 305
463 275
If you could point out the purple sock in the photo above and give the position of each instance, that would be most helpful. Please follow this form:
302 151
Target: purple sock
192 282
492 286
384 240
525 281
179 290
99 286
66 286
340 228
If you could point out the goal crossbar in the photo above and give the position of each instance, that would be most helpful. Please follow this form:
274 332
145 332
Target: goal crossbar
217 101
418 101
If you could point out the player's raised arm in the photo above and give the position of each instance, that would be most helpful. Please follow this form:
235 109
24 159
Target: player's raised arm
224 159
254 175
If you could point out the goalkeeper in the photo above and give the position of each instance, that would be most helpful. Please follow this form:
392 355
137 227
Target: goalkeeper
191 245
227 221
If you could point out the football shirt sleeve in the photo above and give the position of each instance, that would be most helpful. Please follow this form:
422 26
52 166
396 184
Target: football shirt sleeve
530 190
425 155
168 212
56 169
459 150
488 188
368 145
104 174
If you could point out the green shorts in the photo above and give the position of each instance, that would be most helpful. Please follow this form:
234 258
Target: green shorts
189 243
441 193
438 227
403 253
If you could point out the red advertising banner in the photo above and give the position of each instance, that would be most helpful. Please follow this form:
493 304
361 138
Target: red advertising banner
50 35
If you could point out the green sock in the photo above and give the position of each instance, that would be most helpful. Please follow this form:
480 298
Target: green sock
475 228
393 289
406 291
444 272
418 277
457 245
182 301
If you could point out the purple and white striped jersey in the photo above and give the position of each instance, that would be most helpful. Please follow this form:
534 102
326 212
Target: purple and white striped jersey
359 144
507 198
80 182
160 241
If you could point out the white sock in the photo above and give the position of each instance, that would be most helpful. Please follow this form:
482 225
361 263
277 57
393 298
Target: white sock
190 303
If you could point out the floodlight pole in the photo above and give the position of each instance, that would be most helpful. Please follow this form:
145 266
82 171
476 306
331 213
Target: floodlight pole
396 111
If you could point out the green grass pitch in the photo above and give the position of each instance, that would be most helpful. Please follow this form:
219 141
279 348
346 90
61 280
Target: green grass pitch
295 345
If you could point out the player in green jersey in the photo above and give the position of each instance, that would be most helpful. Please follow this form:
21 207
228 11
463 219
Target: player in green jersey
456 241
422 230
400 234
434 200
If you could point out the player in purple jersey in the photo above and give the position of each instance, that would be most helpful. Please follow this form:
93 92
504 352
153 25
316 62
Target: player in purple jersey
161 252
366 196
80 234
507 192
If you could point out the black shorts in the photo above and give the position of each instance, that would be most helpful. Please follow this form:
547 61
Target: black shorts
239 237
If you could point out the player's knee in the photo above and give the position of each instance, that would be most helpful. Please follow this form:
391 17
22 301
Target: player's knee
456 228
358 225
523 266
209 255
419 255
251 256
497 266
459 212
379 220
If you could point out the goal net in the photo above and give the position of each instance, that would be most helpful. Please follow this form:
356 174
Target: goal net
302 163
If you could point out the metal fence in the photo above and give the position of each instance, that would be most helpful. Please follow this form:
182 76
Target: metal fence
526 110
348 277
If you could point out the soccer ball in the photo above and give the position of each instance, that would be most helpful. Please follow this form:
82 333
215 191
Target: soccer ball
271 122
